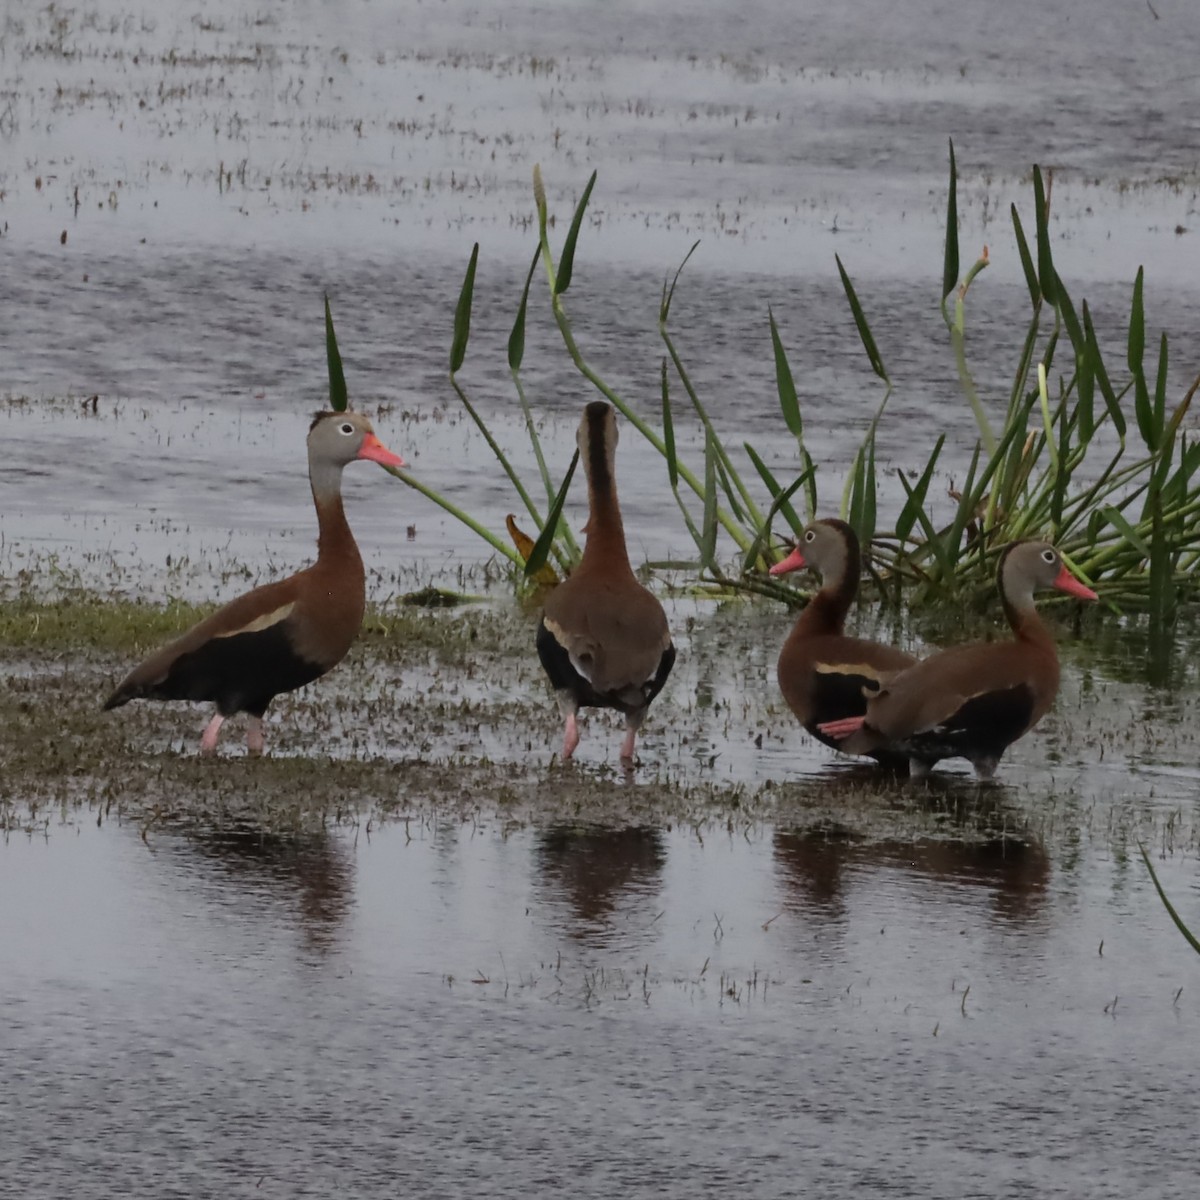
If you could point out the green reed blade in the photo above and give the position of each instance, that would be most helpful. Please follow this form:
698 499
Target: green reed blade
339 397
1047 277
541 548
669 432
726 486
968 504
1179 924
708 528
916 495
1084 406
1031 279
789 403
1131 535
462 315
1160 389
1136 355
864 330
773 487
664 310
778 504
566 263
1162 587
950 267
1111 402
516 339
933 542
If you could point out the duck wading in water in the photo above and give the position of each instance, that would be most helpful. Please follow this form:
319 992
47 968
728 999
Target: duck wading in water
282 635
603 638
973 701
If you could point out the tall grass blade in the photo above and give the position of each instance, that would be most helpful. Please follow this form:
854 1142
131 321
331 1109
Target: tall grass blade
516 339
864 330
339 397
950 267
669 432
1047 279
789 403
462 315
1111 403
664 310
1137 349
778 505
1160 392
566 263
1179 923
1128 532
916 494
708 527
541 548
1031 279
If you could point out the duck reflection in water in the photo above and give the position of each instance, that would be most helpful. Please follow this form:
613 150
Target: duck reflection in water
814 865
313 872
593 870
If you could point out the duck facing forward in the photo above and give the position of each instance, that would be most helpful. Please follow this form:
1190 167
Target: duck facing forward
603 638
823 674
973 701
282 635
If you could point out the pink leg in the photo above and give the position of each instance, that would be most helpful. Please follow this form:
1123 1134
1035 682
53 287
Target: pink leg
571 738
212 731
627 745
254 736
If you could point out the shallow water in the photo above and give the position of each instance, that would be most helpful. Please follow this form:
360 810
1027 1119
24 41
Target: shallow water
775 999
638 1009
215 170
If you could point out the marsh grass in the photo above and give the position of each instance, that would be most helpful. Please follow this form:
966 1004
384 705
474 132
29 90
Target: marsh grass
1096 460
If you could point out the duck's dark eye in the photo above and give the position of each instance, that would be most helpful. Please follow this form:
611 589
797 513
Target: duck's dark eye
810 536
1048 556
346 428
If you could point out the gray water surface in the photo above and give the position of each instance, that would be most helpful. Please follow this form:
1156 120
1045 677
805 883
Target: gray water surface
435 1010
779 1005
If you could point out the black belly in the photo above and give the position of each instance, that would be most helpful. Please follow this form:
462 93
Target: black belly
242 673
983 727
563 676
840 694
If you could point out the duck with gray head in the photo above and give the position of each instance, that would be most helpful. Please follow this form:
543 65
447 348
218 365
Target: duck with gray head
825 675
973 701
282 635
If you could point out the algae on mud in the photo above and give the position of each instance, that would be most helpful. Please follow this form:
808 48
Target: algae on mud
443 716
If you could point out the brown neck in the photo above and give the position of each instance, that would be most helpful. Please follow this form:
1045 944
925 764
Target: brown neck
826 612
605 530
334 540
1027 625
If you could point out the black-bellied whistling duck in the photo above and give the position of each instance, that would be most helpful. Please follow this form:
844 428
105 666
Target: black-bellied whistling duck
282 635
823 674
603 638
973 701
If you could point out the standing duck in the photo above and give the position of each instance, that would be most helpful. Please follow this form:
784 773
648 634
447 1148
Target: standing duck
282 635
603 638
823 674
973 701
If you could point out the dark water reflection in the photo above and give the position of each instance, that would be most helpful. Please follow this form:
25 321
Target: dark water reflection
594 871
818 867
619 1009
312 874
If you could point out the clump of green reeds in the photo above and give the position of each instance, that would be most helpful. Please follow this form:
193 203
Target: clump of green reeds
1099 464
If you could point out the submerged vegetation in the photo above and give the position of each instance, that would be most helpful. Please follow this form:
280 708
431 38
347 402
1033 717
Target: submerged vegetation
1094 458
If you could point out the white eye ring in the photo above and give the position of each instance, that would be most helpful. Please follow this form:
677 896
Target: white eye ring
346 428
810 536
1048 556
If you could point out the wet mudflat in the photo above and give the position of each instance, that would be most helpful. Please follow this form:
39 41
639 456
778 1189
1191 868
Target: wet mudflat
409 951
